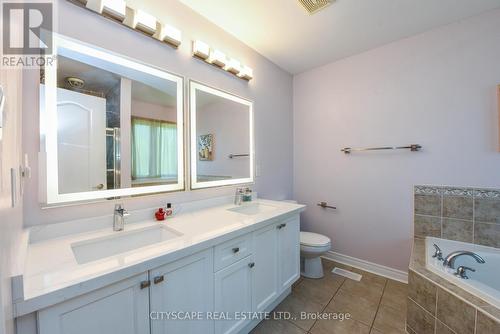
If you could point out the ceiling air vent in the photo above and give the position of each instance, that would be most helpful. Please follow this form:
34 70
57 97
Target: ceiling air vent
312 6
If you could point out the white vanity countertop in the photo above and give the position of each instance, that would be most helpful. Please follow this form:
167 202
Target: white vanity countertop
52 274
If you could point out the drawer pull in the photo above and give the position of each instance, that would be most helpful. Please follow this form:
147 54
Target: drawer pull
236 250
280 226
251 264
159 279
145 284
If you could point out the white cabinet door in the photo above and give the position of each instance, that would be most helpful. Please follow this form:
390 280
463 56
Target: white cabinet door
233 294
183 288
289 252
265 279
119 308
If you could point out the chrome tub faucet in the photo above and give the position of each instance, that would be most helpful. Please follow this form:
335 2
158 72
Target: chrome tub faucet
449 261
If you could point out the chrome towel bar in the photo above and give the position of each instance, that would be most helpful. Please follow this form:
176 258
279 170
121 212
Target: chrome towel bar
413 148
238 155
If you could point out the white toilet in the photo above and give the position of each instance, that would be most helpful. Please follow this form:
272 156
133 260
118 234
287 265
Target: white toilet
312 246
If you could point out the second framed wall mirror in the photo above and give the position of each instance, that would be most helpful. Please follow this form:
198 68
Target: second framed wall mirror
222 138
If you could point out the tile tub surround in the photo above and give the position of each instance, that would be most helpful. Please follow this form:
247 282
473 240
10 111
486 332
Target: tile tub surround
463 214
437 306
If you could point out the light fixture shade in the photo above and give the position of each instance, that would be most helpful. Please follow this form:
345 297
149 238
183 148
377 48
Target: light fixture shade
217 58
171 35
115 9
144 22
233 66
201 49
246 73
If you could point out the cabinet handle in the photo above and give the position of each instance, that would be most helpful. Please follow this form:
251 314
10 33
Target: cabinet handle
159 279
251 264
145 284
236 249
280 226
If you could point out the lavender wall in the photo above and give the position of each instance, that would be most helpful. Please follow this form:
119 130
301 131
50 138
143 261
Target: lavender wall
270 90
437 89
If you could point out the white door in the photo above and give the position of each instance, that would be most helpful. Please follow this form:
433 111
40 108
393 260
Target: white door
81 139
289 252
233 295
119 308
183 287
265 276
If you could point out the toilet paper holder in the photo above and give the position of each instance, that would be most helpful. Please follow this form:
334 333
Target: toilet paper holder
325 205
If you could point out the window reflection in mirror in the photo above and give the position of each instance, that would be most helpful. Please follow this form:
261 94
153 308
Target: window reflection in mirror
221 138
118 131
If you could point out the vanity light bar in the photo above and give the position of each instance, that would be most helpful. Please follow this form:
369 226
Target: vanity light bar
171 35
133 18
234 66
246 73
116 9
144 22
218 58
201 49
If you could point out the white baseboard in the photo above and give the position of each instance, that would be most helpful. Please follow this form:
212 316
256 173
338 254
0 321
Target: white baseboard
371 267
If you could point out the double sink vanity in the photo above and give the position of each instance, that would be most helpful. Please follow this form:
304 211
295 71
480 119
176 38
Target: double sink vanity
209 269
113 129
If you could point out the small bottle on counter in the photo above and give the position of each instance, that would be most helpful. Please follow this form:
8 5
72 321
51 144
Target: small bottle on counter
247 195
160 214
168 211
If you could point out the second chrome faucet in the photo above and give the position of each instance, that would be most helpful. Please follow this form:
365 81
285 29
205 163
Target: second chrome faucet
119 217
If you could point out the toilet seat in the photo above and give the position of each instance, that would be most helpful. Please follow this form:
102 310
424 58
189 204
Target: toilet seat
310 239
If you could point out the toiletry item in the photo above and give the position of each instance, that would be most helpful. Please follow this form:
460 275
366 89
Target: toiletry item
247 195
169 211
160 214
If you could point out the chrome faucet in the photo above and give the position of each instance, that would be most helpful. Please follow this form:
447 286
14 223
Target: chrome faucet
238 196
462 272
119 217
438 254
449 261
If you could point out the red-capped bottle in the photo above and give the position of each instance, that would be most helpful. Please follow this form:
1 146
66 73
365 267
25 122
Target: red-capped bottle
160 214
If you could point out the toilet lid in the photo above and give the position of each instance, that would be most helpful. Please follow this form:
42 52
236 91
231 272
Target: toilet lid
313 239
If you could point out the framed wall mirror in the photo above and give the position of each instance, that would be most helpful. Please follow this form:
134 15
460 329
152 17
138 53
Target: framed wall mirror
110 126
222 138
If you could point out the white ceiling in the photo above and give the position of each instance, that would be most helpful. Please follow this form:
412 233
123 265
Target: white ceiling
284 32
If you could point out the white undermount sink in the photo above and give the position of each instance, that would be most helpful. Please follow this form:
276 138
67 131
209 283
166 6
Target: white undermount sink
252 209
121 242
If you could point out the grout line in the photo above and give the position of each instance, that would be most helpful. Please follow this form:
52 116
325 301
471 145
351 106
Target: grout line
300 328
378 306
441 215
475 321
473 220
329 301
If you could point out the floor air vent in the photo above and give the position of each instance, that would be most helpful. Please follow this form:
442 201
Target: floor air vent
312 6
347 273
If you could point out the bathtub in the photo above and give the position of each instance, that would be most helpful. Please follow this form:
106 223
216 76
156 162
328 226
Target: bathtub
484 283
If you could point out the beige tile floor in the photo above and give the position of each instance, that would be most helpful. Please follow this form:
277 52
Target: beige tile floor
376 305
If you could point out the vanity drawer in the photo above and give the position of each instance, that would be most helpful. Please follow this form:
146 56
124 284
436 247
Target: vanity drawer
231 251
